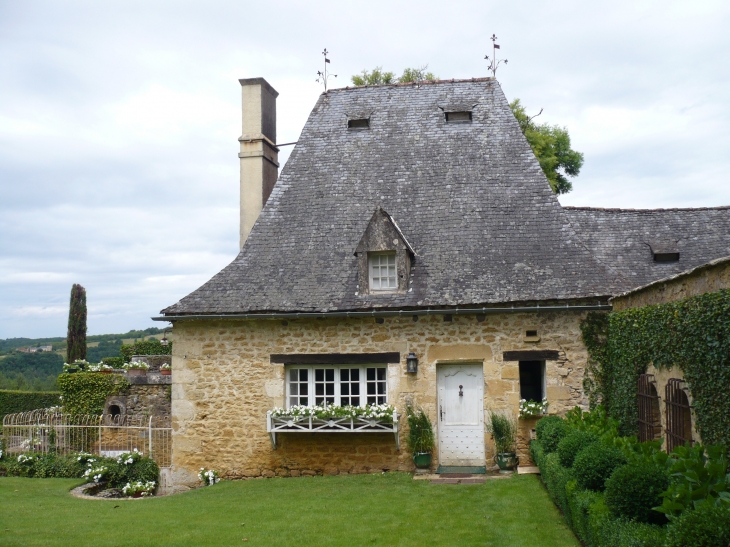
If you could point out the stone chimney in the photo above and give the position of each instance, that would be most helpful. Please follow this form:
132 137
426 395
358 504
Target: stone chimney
259 154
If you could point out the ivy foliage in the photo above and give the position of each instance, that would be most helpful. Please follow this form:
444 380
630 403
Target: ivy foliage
693 334
86 392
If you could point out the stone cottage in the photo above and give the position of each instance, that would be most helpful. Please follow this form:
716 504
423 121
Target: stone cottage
410 221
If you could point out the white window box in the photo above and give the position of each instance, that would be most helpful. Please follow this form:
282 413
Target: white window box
312 424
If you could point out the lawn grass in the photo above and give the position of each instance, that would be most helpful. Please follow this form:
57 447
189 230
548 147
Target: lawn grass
390 509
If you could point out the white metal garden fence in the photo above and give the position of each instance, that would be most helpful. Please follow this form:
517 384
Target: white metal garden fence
45 430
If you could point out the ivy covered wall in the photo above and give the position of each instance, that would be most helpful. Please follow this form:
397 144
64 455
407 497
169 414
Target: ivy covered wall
693 334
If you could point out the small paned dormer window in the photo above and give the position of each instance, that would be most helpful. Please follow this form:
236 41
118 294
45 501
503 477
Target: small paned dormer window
383 271
358 123
458 117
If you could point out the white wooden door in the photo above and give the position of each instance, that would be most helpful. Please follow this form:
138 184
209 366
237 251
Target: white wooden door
461 415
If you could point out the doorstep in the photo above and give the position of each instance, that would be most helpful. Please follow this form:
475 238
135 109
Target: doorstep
528 470
458 478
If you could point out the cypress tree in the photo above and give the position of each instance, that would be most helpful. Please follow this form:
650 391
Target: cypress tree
76 337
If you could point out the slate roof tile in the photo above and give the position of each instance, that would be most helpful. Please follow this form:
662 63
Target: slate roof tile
470 198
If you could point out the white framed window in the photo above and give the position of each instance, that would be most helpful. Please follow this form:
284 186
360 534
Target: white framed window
336 385
383 272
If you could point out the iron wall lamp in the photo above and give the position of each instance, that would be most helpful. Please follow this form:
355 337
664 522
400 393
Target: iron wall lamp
412 363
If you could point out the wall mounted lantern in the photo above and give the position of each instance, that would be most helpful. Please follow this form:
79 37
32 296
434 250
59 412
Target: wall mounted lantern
164 340
412 363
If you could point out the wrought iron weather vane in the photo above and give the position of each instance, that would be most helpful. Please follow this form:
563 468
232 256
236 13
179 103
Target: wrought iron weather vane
494 63
322 77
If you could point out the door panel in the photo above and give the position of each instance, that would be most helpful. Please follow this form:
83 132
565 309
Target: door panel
461 415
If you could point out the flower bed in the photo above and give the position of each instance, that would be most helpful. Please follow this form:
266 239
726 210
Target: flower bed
332 419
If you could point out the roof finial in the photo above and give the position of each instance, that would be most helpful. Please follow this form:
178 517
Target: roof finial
322 77
494 63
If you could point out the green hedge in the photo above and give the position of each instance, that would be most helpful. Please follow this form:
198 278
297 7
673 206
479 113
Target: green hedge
23 401
145 347
693 334
586 513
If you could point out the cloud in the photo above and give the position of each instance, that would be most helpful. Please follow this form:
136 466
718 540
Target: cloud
119 122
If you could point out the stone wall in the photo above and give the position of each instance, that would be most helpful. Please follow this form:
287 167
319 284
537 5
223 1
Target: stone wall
711 277
224 383
149 394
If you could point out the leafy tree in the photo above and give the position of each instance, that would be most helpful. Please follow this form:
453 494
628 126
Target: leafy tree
551 145
378 77
76 337
374 77
416 75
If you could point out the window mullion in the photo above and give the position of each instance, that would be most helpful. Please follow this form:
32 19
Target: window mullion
337 386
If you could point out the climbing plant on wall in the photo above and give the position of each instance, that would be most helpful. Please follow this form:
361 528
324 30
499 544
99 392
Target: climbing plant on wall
86 392
693 334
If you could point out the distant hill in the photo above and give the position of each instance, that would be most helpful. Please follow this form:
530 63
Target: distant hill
59 343
38 371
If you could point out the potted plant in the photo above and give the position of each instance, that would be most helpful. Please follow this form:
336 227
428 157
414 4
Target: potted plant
503 429
533 409
136 368
420 437
166 369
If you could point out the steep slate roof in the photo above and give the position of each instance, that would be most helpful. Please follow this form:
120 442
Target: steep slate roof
470 198
622 238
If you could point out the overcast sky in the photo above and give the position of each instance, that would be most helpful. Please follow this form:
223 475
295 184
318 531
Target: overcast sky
119 121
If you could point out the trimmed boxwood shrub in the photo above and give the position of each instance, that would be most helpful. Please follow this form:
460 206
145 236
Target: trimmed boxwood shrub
633 490
573 443
594 465
627 533
551 433
706 526
556 477
536 452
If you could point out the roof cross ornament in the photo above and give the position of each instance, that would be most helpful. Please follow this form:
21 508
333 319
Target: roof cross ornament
322 77
494 63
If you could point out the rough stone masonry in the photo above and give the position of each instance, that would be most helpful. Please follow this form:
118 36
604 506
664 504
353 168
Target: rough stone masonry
224 383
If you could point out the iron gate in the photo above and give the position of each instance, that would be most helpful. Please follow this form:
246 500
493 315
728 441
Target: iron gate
679 414
650 425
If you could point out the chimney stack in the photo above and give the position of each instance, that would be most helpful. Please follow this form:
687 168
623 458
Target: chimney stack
259 154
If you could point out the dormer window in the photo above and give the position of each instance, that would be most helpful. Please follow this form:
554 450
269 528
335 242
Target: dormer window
383 271
358 123
664 251
458 117
384 258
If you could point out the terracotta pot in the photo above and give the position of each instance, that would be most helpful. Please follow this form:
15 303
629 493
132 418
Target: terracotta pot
105 371
137 494
166 372
137 372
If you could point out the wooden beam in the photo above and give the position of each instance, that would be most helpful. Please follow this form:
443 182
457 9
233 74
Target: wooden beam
335 358
531 355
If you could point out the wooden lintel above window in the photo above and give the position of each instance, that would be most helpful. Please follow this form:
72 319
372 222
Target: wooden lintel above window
531 355
334 358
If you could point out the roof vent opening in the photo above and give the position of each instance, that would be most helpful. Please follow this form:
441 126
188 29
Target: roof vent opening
458 117
664 250
666 257
358 123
